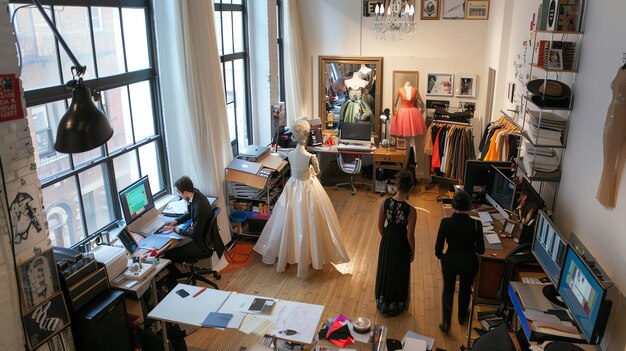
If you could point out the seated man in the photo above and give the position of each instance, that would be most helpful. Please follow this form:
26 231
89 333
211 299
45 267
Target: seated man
193 245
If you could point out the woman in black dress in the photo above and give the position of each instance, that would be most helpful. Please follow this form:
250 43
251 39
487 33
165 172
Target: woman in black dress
464 237
397 248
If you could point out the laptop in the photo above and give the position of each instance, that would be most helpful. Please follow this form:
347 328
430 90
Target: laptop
137 204
155 241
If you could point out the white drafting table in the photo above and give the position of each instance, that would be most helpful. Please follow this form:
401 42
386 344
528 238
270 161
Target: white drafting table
301 317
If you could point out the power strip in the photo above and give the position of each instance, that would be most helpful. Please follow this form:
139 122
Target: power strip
141 273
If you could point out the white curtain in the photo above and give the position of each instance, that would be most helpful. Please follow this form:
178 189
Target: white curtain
193 97
295 78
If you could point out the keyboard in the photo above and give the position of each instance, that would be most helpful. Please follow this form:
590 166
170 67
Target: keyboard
357 148
147 224
485 217
493 239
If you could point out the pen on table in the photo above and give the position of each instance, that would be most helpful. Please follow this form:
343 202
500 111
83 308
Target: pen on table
199 292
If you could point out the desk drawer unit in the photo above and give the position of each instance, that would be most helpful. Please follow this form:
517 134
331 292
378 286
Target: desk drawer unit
388 158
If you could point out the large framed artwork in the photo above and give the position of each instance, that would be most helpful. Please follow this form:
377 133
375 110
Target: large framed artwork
429 9
39 280
453 9
45 321
440 84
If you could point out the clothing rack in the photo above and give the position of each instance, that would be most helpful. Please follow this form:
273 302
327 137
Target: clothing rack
449 144
451 122
500 140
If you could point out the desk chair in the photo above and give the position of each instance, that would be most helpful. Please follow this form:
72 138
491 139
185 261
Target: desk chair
351 168
195 274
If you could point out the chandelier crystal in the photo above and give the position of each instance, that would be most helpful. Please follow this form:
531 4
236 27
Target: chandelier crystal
397 19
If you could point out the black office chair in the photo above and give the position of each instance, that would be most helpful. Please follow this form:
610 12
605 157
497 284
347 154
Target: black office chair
519 255
199 274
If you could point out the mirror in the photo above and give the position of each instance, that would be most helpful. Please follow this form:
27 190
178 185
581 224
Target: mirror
350 91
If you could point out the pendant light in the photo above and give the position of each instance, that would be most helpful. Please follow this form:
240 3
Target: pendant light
83 126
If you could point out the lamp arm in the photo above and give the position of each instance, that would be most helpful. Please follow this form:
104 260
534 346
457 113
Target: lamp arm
80 69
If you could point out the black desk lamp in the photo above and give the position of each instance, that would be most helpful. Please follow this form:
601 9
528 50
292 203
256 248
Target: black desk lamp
83 126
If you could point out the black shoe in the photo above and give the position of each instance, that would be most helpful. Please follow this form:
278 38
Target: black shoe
445 328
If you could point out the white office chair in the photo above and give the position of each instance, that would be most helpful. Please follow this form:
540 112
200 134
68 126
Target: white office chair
351 168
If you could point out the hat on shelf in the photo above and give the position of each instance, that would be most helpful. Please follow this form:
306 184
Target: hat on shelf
549 93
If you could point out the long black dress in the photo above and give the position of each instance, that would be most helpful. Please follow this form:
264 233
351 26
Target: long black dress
394 260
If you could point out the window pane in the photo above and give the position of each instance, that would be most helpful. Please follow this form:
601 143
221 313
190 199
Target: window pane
240 104
135 39
43 121
232 126
37 46
97 200
73 24
237 2
148 158
238 31
63 212
126 169
230 89
87 156
141 105
218 31
107 34
117 109
227 31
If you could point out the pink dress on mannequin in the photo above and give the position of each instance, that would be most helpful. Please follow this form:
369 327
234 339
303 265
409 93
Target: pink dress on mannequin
408 120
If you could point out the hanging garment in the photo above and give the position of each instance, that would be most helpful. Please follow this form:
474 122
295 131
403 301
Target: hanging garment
354 109
408 120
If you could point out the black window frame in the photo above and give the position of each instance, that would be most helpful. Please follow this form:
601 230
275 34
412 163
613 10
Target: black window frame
281 49
57 93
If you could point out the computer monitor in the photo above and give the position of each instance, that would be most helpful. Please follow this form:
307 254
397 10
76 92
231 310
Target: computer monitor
549 247
500 194
356 133
527 202
479 175
585 296
136 199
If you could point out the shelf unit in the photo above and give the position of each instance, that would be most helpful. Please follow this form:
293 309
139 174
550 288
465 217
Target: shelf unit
239 194
545 128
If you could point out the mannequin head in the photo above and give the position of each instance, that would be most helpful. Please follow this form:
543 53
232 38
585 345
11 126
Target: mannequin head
300 130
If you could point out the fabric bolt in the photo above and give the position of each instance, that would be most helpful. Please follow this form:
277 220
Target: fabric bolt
303 228
394 260
408 120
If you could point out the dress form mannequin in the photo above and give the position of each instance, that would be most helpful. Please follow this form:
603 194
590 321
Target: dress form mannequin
614 142
356 82
408 121
303 228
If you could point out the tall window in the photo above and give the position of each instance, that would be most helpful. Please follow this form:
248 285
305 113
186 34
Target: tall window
115 43
232 41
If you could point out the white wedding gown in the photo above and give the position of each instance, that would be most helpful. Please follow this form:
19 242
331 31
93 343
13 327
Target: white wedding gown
303 227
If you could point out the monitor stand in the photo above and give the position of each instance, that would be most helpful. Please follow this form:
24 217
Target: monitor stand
549 291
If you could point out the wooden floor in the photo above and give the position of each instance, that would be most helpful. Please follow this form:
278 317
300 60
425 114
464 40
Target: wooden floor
349 288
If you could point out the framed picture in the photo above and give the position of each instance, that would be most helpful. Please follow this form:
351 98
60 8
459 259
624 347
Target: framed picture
477 10
46 320
401 144
467 106
509 228
39 280
63 341
430 10
555 59
401 80
466 85
440 84
444 104
453 9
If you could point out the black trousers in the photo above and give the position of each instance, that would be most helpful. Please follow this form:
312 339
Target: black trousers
186 250
465 267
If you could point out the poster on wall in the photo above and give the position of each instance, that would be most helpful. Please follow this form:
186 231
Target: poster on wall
45 321
430 10
10 98
39 280
27 220
453 9
63 341
440 84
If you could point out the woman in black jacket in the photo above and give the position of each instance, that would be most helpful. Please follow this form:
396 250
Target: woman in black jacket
464 237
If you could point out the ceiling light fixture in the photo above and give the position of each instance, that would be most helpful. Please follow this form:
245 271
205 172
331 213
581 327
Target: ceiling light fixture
83 126
398 20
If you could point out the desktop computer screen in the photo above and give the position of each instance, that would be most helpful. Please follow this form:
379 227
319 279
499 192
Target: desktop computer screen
584 295
549 247
527 202
479 175
356 133
136 199
500 194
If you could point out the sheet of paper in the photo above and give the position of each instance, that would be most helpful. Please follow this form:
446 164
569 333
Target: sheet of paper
236 321
485 217
254 324
429 341
176 207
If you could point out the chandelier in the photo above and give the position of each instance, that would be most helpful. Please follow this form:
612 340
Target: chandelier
398 19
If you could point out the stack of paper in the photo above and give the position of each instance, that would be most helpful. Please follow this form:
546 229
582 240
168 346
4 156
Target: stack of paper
417 342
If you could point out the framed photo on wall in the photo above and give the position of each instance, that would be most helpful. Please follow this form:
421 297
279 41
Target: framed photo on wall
477 10
39 280
46 320
440 84
466 85
429 9
453 9
444 104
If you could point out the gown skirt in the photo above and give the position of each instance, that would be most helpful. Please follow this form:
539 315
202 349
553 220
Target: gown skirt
408 122
302 229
